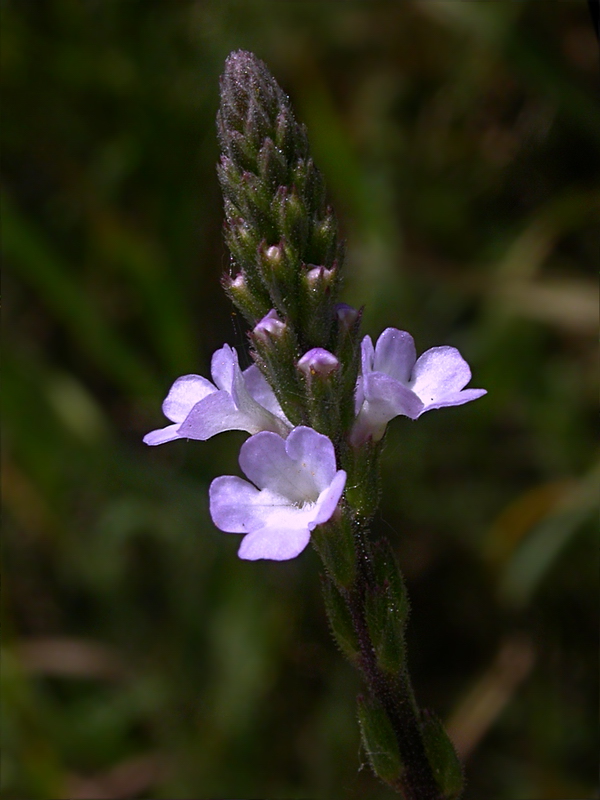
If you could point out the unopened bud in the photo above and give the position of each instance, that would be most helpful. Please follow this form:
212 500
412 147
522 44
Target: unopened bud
318 361
324 238
293 219
319 276
251 303
269 327
347 315
274 255
242 241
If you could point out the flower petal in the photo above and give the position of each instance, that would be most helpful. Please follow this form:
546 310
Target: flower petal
395 354
222 366
439 372
388 398
456 399
329 498
384 399
259 389
183 396
258 418
277 544
162 435
266 463
279 515
276 541
238 507
215 414
314 455
367 355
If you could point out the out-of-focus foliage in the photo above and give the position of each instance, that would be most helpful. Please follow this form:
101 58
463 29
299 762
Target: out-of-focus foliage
460 143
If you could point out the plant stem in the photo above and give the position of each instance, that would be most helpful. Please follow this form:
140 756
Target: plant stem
395 693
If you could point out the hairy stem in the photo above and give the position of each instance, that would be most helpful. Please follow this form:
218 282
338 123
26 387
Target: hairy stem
393 692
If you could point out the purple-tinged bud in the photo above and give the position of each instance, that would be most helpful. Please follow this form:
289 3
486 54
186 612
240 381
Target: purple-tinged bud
252 304
319 276
242 241
320 371
318 361
274 255
270 327
347 315
273 265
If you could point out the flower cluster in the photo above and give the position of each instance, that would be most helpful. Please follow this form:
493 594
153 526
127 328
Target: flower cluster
294 468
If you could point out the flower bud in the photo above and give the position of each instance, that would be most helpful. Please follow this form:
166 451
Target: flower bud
274 256
318 277
293 219
275 353
252 303
279 273
318 361
272 164
239 282
270 327
277 221
251 101
324 238
320 372
347 315
242 241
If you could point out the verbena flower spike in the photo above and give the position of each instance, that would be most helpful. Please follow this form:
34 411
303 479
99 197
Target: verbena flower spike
318 400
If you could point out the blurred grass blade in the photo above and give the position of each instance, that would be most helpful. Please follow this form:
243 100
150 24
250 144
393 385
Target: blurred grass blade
144 264
44 270
539 551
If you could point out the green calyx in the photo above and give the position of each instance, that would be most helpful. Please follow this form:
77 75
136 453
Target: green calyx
379 740
441 754
386 610
340 621
334 542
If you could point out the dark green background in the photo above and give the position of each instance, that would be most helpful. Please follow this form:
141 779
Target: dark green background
460 142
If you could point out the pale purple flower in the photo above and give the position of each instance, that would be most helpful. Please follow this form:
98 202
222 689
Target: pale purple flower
296 487
236 400
393 382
